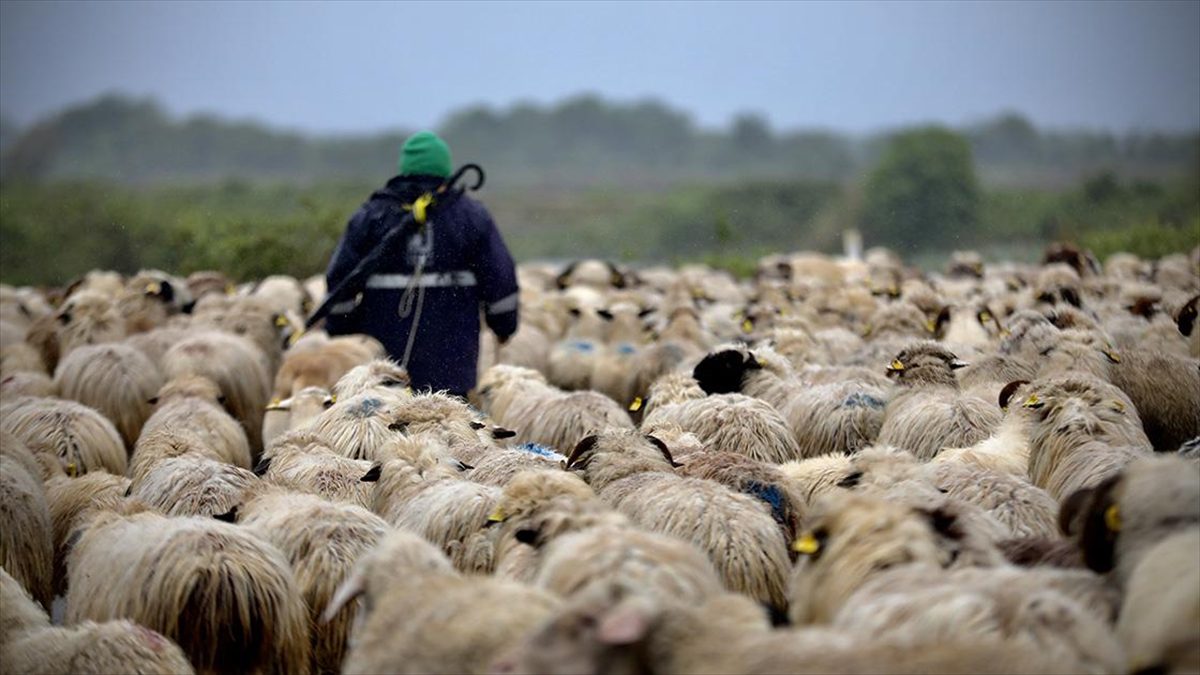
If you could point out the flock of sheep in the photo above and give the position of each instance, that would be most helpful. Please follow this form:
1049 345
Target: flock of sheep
838 466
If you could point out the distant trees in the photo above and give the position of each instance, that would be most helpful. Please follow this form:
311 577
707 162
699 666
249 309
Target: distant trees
923 193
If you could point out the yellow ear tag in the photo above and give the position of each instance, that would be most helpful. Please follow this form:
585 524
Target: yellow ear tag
1112 518
333 398
1032 401
636 405
984 317
230 289
930 326
154 288
747 326
281 321
1118 406
72 470
806 544
896 365
496 516
295 337
1112 356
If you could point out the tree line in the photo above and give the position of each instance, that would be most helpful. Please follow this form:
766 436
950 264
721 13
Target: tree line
580 141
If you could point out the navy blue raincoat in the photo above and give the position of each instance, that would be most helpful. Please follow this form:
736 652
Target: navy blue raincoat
468 272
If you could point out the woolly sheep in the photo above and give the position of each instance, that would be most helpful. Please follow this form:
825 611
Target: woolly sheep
731 423
930 413
738 532
18 384
322 366
77 436
302 461
498 466
29 644
421 616
294 412
322 541
193 404
116 380
191 485
235 365
383 373
229 600
1159 625
27 539
71 502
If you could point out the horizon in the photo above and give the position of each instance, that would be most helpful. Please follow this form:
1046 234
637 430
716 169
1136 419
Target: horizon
342 69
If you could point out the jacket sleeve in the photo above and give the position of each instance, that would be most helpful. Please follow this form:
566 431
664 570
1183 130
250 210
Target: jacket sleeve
350 249
496 275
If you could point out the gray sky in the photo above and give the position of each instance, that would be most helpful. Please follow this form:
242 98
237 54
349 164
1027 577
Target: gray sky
347 67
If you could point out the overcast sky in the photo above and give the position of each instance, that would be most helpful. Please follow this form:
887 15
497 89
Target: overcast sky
854 66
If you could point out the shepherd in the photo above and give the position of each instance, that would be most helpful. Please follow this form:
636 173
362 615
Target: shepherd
444 267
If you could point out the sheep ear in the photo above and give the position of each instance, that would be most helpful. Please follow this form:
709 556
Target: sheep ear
721 373
574 311
526 536
1070 512
372 475
851 481
64 318
1071 297
1098 538
263 466
645 312
499 433
350 589
623 625
662 447
943 522
166 292
562 280
477 425
581 448
1007 392
604 314
1187 317
230 516
189 307
153 400
943 318
72 540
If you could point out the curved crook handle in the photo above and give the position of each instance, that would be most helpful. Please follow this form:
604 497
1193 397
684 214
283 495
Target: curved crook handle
452 181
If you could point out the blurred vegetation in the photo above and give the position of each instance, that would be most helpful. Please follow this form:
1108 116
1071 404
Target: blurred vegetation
118 184
579 142
53 232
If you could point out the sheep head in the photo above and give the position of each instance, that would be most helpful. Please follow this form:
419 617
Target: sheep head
724 372
925 363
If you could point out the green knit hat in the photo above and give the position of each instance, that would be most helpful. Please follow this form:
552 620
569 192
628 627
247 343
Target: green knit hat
425 154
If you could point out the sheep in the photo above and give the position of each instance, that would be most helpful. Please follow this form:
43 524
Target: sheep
115 379
634 474
421 616
1024 509
156 343
529 347
1165 389
520 399
322 541
21 357
1159 626
1064 613
29 644
302 461
71 501
321 366
27 539
15 448
191 485
356 426
835 417
229 600
731 423
498 466
1007 449
930 413
16 385
236 366
573 359
250 318
193 403
77 436
295 412
1122 518
428 498
816 476
760 480
1081 432
162 444
283 294
86 318
383 373
670 388
149 298
855 537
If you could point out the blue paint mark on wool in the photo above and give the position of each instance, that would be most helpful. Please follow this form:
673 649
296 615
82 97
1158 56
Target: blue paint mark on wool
769 494
860 400
366 408
540 450
626 348
581 346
